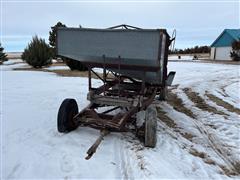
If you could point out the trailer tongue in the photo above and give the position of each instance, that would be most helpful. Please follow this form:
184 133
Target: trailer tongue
134 63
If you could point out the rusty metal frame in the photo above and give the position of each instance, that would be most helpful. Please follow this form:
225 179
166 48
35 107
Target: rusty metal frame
133 95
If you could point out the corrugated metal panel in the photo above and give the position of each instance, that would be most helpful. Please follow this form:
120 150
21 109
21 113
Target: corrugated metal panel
226 38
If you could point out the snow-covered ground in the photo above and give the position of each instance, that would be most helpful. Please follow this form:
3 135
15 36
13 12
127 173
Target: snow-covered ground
57 68
197 139
12 61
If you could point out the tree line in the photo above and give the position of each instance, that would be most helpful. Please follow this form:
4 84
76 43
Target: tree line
193 50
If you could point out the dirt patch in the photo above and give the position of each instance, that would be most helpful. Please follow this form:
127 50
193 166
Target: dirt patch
194 152
200 102
60 72
222 103
69 73
14 55
228 172
164 118
237 167
170 123
187 136
208 160
178 105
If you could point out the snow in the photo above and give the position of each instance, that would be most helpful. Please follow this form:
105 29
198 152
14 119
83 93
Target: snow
32 147
58 68
232 90
12 61
214 78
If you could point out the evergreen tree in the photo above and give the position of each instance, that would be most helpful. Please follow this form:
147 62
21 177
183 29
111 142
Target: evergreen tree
53 36
38 53
235 53
196 49
3 56
72 64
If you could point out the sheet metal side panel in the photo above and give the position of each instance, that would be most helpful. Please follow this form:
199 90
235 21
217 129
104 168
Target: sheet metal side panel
150 77
162 59
139 47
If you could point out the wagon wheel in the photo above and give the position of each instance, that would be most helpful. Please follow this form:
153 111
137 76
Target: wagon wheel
150 127
66 112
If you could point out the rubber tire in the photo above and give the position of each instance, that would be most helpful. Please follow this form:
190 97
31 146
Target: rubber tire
66 112
150 138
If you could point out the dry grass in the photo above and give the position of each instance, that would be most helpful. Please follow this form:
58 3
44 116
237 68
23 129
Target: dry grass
14 55
222 103
60 72
196 153
187 136
178 105
69 73
164 118
200 102
226 170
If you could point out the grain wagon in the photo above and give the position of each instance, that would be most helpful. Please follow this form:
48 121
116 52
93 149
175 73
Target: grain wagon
134 73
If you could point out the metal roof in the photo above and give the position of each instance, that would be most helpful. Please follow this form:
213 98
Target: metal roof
226 38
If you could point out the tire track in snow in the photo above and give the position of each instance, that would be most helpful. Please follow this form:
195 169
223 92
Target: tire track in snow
214 143
123 159
131 158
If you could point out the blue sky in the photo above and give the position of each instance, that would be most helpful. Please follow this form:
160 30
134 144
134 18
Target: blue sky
196 22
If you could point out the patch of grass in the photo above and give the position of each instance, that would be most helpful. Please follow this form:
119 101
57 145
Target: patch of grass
178 105
187 136
164 118
227 171
206 159
237 167
196 153
209 161
69 73
60 72
200 102
222 103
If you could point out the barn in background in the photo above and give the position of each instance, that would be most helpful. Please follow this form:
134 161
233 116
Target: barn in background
222 46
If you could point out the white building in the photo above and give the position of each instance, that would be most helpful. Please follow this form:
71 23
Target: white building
222 46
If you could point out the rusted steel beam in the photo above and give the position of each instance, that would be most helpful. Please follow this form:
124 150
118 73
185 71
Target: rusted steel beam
96 74
90 106
104 87
127 116
94 147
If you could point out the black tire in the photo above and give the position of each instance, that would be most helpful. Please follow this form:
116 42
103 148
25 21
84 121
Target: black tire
150 138
66 112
